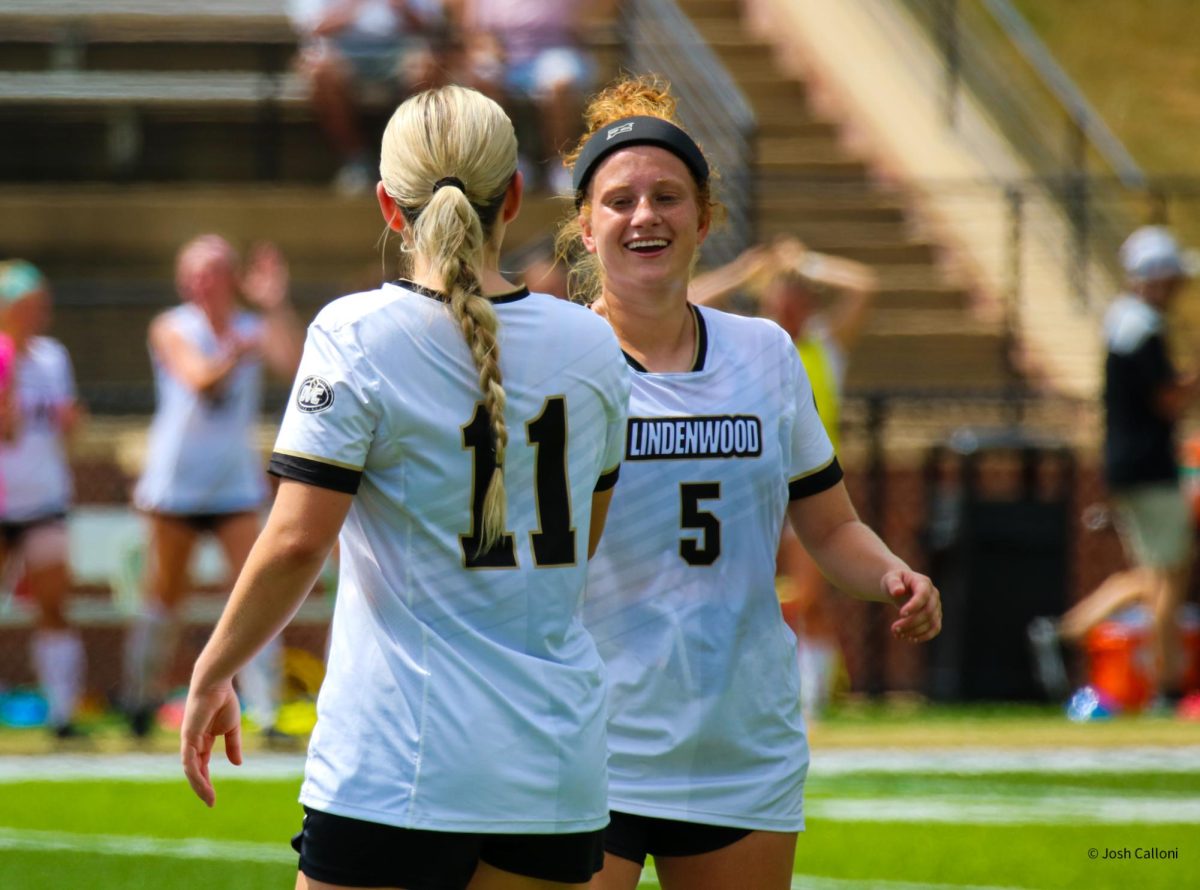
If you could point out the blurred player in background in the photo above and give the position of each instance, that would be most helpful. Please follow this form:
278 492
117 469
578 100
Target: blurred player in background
785 280
707 747
464 435
204 472
40 411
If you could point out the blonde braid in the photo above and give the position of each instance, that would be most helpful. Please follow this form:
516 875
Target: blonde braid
479 324
458 134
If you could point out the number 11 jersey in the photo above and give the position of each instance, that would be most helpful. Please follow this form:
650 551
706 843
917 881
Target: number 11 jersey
705 723
463 693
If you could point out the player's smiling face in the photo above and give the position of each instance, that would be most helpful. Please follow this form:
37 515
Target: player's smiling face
644 223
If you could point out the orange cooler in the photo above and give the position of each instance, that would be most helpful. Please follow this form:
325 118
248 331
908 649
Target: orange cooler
1120 664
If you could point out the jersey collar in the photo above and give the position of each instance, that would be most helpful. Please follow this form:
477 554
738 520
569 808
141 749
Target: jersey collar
511 297
698 357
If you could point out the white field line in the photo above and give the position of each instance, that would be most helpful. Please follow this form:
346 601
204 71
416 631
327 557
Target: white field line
969 761
649 881
142 767
1060 809
982 761
138 845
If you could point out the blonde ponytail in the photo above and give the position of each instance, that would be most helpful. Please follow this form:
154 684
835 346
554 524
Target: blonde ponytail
448 157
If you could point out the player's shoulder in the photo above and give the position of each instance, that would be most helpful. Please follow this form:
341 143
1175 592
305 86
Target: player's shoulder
355 310
572 326
569 313
1130 323
742 332
48 349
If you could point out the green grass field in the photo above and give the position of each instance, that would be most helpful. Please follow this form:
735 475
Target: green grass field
926 801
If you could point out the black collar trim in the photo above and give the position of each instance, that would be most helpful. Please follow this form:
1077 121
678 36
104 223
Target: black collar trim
701 346
511 297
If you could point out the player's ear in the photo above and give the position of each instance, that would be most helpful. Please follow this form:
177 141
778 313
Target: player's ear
585 229
389 208
512 197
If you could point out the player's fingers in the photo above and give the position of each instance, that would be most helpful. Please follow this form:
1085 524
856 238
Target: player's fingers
195 767
895 585
920 590
233 745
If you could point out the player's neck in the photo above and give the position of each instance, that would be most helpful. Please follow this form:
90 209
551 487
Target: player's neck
492 284
659 335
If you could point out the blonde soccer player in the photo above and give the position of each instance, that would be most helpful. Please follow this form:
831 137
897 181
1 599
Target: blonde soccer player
464 434
203 473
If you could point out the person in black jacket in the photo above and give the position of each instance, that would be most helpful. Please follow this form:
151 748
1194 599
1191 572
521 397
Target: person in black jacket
1144 397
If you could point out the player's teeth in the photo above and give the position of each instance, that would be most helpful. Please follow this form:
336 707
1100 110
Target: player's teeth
657 242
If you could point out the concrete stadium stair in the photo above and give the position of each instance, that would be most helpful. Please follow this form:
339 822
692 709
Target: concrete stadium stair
922 333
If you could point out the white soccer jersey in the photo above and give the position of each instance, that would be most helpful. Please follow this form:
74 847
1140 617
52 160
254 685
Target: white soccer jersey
705 722
202 455
463 693
34 469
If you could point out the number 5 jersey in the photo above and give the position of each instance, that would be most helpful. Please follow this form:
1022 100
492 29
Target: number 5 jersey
705 723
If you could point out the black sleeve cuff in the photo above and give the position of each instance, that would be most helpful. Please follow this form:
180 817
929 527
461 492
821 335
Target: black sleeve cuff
608 480
815 483
314 472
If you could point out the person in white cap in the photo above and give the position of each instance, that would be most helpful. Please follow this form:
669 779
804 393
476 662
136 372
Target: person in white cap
1144 397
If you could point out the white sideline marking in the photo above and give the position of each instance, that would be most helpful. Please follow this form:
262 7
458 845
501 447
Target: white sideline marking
140 845
982 761
142 767
1072 809
947 761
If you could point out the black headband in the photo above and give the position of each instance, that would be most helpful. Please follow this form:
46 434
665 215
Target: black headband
450 180
640 130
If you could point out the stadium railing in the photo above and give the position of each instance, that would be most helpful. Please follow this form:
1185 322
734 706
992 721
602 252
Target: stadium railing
988 49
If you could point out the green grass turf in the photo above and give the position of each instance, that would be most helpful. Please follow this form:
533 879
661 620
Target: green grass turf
1005 856
264 814
262 810
24 870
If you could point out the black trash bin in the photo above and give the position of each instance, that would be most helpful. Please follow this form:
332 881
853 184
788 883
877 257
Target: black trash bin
998 544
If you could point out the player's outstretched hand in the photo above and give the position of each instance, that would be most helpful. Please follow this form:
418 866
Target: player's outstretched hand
265 283
209 713
919 602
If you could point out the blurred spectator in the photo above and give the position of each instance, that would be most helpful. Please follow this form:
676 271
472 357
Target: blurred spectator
204 472
40 413
350 46
785 279
1144 397
532 51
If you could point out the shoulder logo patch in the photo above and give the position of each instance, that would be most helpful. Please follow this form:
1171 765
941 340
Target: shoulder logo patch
314 395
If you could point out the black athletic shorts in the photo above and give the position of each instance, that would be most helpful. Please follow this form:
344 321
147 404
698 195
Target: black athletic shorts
633 837
203 523
12 533
355 853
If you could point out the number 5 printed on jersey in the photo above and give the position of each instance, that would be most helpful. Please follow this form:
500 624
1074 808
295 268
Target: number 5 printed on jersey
706 548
